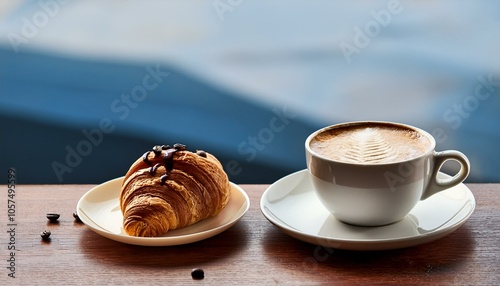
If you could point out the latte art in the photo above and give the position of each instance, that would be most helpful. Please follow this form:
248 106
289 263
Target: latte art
373 144
369 146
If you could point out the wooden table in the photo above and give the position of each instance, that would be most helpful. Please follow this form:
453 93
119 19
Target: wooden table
253 252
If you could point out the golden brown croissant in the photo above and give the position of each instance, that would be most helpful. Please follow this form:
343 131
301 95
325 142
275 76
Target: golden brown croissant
169 188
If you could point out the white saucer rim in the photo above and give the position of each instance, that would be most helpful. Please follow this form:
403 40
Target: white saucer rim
162 240
440 232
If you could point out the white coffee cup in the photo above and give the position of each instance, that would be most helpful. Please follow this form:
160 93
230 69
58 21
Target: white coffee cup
377 193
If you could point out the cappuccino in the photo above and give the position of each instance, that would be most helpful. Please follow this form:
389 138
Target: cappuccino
370 143
372 173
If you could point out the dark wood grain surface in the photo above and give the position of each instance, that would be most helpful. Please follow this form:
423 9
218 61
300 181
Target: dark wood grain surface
253 252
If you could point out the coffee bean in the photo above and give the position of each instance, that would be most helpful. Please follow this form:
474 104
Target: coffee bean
153 169
201 153
179 147
157 149
164 178
45 234
198 273
53 217
77 218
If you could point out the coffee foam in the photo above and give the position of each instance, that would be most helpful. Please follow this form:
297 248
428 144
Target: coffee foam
370 144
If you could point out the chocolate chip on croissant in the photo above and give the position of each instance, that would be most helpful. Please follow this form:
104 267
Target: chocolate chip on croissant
169 188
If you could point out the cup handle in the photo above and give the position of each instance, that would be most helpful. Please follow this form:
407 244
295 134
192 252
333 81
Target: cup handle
435 184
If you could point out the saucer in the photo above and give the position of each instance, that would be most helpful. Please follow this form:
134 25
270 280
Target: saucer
291 205
99 209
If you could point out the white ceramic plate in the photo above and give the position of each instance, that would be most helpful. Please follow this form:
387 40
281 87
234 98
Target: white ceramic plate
291 205
99 209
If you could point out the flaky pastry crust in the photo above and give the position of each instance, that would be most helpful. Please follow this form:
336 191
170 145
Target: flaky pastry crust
169 188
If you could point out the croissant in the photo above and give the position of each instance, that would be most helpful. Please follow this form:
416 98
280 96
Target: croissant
169 188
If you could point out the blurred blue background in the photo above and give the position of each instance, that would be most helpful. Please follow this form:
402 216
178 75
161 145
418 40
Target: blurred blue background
87 86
